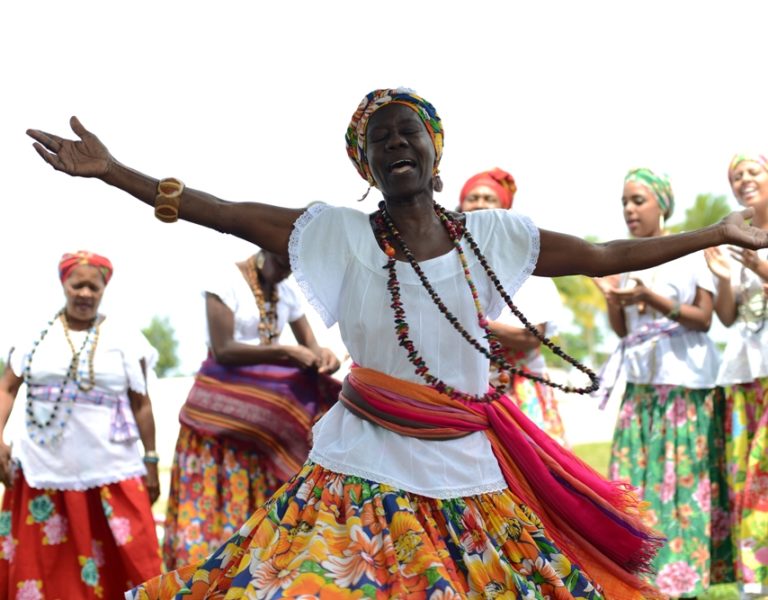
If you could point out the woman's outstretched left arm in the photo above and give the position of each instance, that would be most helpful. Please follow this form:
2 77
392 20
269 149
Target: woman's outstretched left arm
563 254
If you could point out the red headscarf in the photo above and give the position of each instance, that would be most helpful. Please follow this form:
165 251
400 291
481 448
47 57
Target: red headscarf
498 180
69 262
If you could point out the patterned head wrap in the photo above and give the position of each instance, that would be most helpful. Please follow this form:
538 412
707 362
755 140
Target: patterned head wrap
70 261
501 182
356 132
658 184
740 158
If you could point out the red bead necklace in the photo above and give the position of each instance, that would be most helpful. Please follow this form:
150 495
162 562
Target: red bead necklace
387 233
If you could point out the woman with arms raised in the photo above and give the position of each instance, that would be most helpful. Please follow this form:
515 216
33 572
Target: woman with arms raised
422 481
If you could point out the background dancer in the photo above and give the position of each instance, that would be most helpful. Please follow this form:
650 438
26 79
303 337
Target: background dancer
668 437
539 301
741 306
76 514
245 426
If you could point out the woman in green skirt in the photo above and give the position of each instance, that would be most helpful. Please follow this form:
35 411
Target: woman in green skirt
667 441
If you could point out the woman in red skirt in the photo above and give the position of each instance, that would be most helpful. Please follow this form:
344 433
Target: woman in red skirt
76 518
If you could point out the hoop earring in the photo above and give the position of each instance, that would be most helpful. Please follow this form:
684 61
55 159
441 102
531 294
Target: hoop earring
364 196
662 222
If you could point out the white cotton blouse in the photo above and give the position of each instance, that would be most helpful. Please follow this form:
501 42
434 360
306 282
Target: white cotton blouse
232 289
745 358
84 456
540 303
339 267
688 359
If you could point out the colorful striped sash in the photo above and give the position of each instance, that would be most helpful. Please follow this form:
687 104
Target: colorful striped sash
268 407
595 522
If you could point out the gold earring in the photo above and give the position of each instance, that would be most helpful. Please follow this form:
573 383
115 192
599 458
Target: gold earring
260 259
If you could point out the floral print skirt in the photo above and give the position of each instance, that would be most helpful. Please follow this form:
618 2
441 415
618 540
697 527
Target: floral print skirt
215 486
747 455
328 535
668 443
89 544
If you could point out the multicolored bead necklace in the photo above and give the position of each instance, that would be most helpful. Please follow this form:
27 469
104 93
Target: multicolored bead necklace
34 426
267 317
387 233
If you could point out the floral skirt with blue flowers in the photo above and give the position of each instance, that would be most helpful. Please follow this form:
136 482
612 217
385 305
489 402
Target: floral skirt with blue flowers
87 544
333 536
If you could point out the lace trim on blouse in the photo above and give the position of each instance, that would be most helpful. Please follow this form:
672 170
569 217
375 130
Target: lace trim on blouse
293 253
440 494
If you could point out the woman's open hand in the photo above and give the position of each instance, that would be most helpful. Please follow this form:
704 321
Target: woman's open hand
739 232
86 157
152 482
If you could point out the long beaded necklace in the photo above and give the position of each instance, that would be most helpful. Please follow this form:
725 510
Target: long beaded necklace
267 316
747 307
35 425
387 232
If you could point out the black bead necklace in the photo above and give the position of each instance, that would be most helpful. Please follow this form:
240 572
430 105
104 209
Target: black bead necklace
71 375
387 232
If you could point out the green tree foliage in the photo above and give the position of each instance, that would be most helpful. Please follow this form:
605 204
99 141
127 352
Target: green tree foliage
587 304
160 334
707 210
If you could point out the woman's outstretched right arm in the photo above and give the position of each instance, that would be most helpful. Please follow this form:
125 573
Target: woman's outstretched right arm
267 226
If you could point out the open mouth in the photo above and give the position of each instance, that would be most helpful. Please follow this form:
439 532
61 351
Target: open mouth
402 166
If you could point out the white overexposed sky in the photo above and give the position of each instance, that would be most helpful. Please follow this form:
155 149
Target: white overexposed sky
250 101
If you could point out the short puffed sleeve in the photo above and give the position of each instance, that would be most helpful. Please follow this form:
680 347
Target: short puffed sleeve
319 249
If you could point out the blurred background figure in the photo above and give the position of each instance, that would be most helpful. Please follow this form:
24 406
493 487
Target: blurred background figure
76 518
741 306
245 426
668 437
537 299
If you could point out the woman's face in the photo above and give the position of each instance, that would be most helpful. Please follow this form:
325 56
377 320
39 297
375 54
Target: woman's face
400 151
642 212
480 198
83 290
749 182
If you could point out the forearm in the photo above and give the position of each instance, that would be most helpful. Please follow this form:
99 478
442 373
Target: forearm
638 254
145 421
563 254
237 354
689 316
515 339
267 226
726 306
616 320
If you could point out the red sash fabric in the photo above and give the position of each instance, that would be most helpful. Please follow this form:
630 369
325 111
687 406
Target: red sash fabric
595 522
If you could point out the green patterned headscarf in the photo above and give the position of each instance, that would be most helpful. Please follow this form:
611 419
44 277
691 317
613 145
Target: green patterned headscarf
376 99
658 184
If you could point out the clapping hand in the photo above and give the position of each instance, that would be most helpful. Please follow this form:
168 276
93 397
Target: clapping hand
86 157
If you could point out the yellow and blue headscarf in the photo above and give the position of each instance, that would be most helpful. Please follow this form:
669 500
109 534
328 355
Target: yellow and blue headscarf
356 132
658 184
740 158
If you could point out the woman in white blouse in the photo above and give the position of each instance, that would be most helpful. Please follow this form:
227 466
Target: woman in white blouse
245 426
667 440
741 306
414 490
76 520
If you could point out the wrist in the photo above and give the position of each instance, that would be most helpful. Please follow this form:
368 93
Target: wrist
151 457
